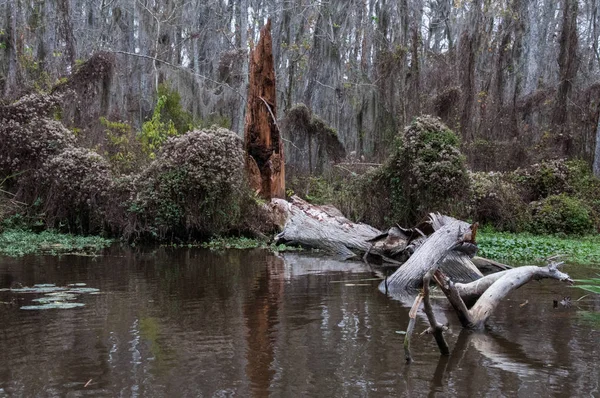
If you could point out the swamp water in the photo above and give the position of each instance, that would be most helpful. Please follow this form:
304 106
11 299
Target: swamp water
190 322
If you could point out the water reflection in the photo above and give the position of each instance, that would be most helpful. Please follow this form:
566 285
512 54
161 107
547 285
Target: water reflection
196 323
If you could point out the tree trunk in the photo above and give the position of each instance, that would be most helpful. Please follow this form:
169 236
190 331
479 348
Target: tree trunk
264 147
567 61
596 165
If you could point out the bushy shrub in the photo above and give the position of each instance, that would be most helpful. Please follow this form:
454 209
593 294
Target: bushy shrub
195 184
173 111
497 201
74 187
543 179
121 150
157 130
561 214
426 171
29 135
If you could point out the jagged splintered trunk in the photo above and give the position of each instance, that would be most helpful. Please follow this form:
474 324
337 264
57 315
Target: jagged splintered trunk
263 143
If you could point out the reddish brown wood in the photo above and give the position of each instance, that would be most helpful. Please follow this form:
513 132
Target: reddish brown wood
264 147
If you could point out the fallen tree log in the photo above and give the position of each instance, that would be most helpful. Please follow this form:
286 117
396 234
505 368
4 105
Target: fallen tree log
325 228
442 249
321 227
455 262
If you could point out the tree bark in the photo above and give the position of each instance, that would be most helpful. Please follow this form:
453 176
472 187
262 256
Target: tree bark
596 165
264 147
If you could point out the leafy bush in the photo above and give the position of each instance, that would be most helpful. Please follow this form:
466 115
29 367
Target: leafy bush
426 171
543 179
157 130
171 110
195 184
561 214
121 149
495 200
74 189
29 135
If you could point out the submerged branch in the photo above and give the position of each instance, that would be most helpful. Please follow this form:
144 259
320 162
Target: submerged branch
491 290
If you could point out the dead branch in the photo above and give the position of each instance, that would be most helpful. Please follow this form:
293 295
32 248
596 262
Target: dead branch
498 287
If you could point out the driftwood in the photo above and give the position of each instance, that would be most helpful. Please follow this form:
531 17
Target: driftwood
498 287
474 302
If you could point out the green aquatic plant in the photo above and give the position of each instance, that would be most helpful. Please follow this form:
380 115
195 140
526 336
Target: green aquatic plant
590 285
242 243
525 247
17 242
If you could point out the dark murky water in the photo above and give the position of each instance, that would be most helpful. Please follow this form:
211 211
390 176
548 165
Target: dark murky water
195 323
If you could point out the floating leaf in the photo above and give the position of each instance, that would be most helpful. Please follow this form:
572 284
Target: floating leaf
50 306
36 290
55 298
81 290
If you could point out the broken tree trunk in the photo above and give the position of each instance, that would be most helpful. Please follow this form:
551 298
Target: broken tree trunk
263 143
473 302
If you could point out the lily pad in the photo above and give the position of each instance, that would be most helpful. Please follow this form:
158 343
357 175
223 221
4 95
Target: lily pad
82 290
38 290
55 298
51 306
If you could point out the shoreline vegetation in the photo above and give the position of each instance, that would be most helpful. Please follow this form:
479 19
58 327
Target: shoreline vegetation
508 247
18 242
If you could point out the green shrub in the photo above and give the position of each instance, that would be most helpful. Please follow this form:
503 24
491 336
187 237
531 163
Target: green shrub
156 131
496 201
74 189
426 171
561 214
543 179
171 110
121 149
196 184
